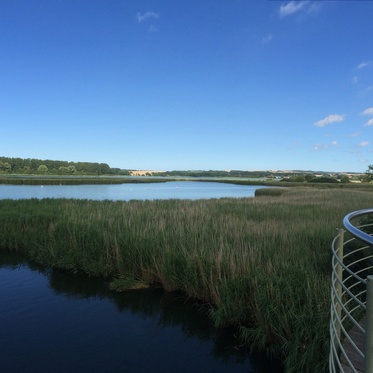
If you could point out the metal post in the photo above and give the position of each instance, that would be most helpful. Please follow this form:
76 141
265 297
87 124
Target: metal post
369 327
338 285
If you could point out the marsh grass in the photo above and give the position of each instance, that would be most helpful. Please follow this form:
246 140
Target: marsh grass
272 192
127 283
262 264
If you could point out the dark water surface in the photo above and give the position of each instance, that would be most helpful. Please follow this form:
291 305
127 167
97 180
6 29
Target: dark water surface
53 321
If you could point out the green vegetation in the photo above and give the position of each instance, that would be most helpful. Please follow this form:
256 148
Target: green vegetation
72 180
369 173
32 166
324 179
262 264
79 180
290 176
273 192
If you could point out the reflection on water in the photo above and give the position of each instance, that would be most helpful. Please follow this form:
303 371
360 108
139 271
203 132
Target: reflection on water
55 321
125 192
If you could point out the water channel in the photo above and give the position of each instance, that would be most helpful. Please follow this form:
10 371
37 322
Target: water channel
53 321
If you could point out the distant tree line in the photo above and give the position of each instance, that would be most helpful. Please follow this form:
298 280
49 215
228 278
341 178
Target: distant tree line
31 166
291 176
217 173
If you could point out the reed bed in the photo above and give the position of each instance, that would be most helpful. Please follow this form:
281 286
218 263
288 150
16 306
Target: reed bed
262 264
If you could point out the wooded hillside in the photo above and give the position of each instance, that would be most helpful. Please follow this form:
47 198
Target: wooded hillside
32 166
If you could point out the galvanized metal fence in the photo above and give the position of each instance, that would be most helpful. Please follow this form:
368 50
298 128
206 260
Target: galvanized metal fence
351 321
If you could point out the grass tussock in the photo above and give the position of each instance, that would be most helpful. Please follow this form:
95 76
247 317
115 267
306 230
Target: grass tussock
127 283
261 263
272 192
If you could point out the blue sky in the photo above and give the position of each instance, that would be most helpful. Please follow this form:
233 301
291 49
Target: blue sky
188 85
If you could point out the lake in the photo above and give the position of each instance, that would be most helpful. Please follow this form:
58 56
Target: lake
131 191
54 321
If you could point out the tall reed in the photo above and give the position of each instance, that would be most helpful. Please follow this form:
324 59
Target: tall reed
262 263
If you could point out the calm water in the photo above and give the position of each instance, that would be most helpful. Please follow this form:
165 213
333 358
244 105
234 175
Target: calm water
167 190
53 321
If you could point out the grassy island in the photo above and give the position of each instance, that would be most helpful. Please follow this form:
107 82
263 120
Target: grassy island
262 264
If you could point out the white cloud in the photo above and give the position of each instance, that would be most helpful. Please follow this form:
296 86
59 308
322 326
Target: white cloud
267 39
363 144
319 147
355 79
314 8
153 28
329 119
292 7
355 134
369 123
362 64
368 111
142 17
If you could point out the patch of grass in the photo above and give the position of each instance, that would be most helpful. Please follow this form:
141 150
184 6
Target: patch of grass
273 192
127 283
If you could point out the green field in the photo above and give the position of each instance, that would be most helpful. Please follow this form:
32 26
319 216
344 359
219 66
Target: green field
262 264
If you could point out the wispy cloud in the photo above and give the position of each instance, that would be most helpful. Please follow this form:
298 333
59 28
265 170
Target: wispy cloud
362 65
333 118
299 7
153 28
368 111
319 147
364 144
314 7
267 39
144 16
292 7
355 134
369 123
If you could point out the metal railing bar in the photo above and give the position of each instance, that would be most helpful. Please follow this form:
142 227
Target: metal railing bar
356 262
356 232
349 296
353 296
334 354
352 285
348 270
348 360
357 306
356 250
348 315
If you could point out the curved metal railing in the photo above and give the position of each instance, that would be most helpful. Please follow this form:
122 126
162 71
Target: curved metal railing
351 320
